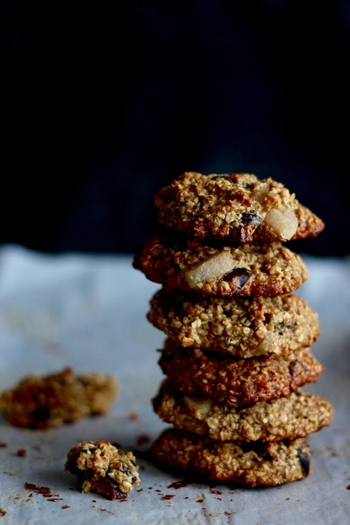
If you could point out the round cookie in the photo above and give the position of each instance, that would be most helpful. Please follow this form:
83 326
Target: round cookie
233 380
103 468
242 326
247 269
62 397
247 464
236 207
291 417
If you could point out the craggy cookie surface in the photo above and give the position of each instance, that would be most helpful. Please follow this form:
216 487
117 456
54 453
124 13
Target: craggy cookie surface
247 269
103 468
63 397
249 464
239 207
242 326
235 380
291 417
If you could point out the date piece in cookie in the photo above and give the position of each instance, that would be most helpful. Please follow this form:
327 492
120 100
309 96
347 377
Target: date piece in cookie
248 269
48 401
234 380
236 207
291 417
102 468
252 464
242 326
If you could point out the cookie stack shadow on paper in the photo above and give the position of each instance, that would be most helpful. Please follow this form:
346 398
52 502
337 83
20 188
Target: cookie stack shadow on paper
237 352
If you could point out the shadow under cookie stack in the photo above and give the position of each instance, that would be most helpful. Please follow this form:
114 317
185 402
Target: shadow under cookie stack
237 352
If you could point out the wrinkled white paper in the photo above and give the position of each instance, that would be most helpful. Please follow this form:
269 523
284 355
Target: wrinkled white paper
89 312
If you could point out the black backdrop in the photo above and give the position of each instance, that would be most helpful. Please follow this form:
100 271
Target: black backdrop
105 102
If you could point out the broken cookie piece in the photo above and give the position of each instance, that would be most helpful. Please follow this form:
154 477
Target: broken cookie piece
45 402
103 468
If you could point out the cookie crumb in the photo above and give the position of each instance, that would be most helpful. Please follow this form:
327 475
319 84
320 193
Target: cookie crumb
142 438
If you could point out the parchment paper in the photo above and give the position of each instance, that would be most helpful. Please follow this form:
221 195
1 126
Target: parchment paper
89 312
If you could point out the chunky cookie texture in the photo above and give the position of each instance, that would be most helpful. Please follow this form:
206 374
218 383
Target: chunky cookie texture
247 464
237 207
291 417
44 402
234 380
103 468
221 270
242 326
237 347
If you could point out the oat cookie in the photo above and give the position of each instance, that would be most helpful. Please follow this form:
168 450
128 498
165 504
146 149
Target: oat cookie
252 464
63 397
103 468
291 417
239 207
234 380
242 326
247 269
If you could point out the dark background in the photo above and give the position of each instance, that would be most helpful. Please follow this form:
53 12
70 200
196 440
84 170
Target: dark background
105 102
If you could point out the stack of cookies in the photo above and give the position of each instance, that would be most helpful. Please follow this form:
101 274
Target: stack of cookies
237 352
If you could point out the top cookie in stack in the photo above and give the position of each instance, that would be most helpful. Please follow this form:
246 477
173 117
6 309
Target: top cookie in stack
235 207
238 338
